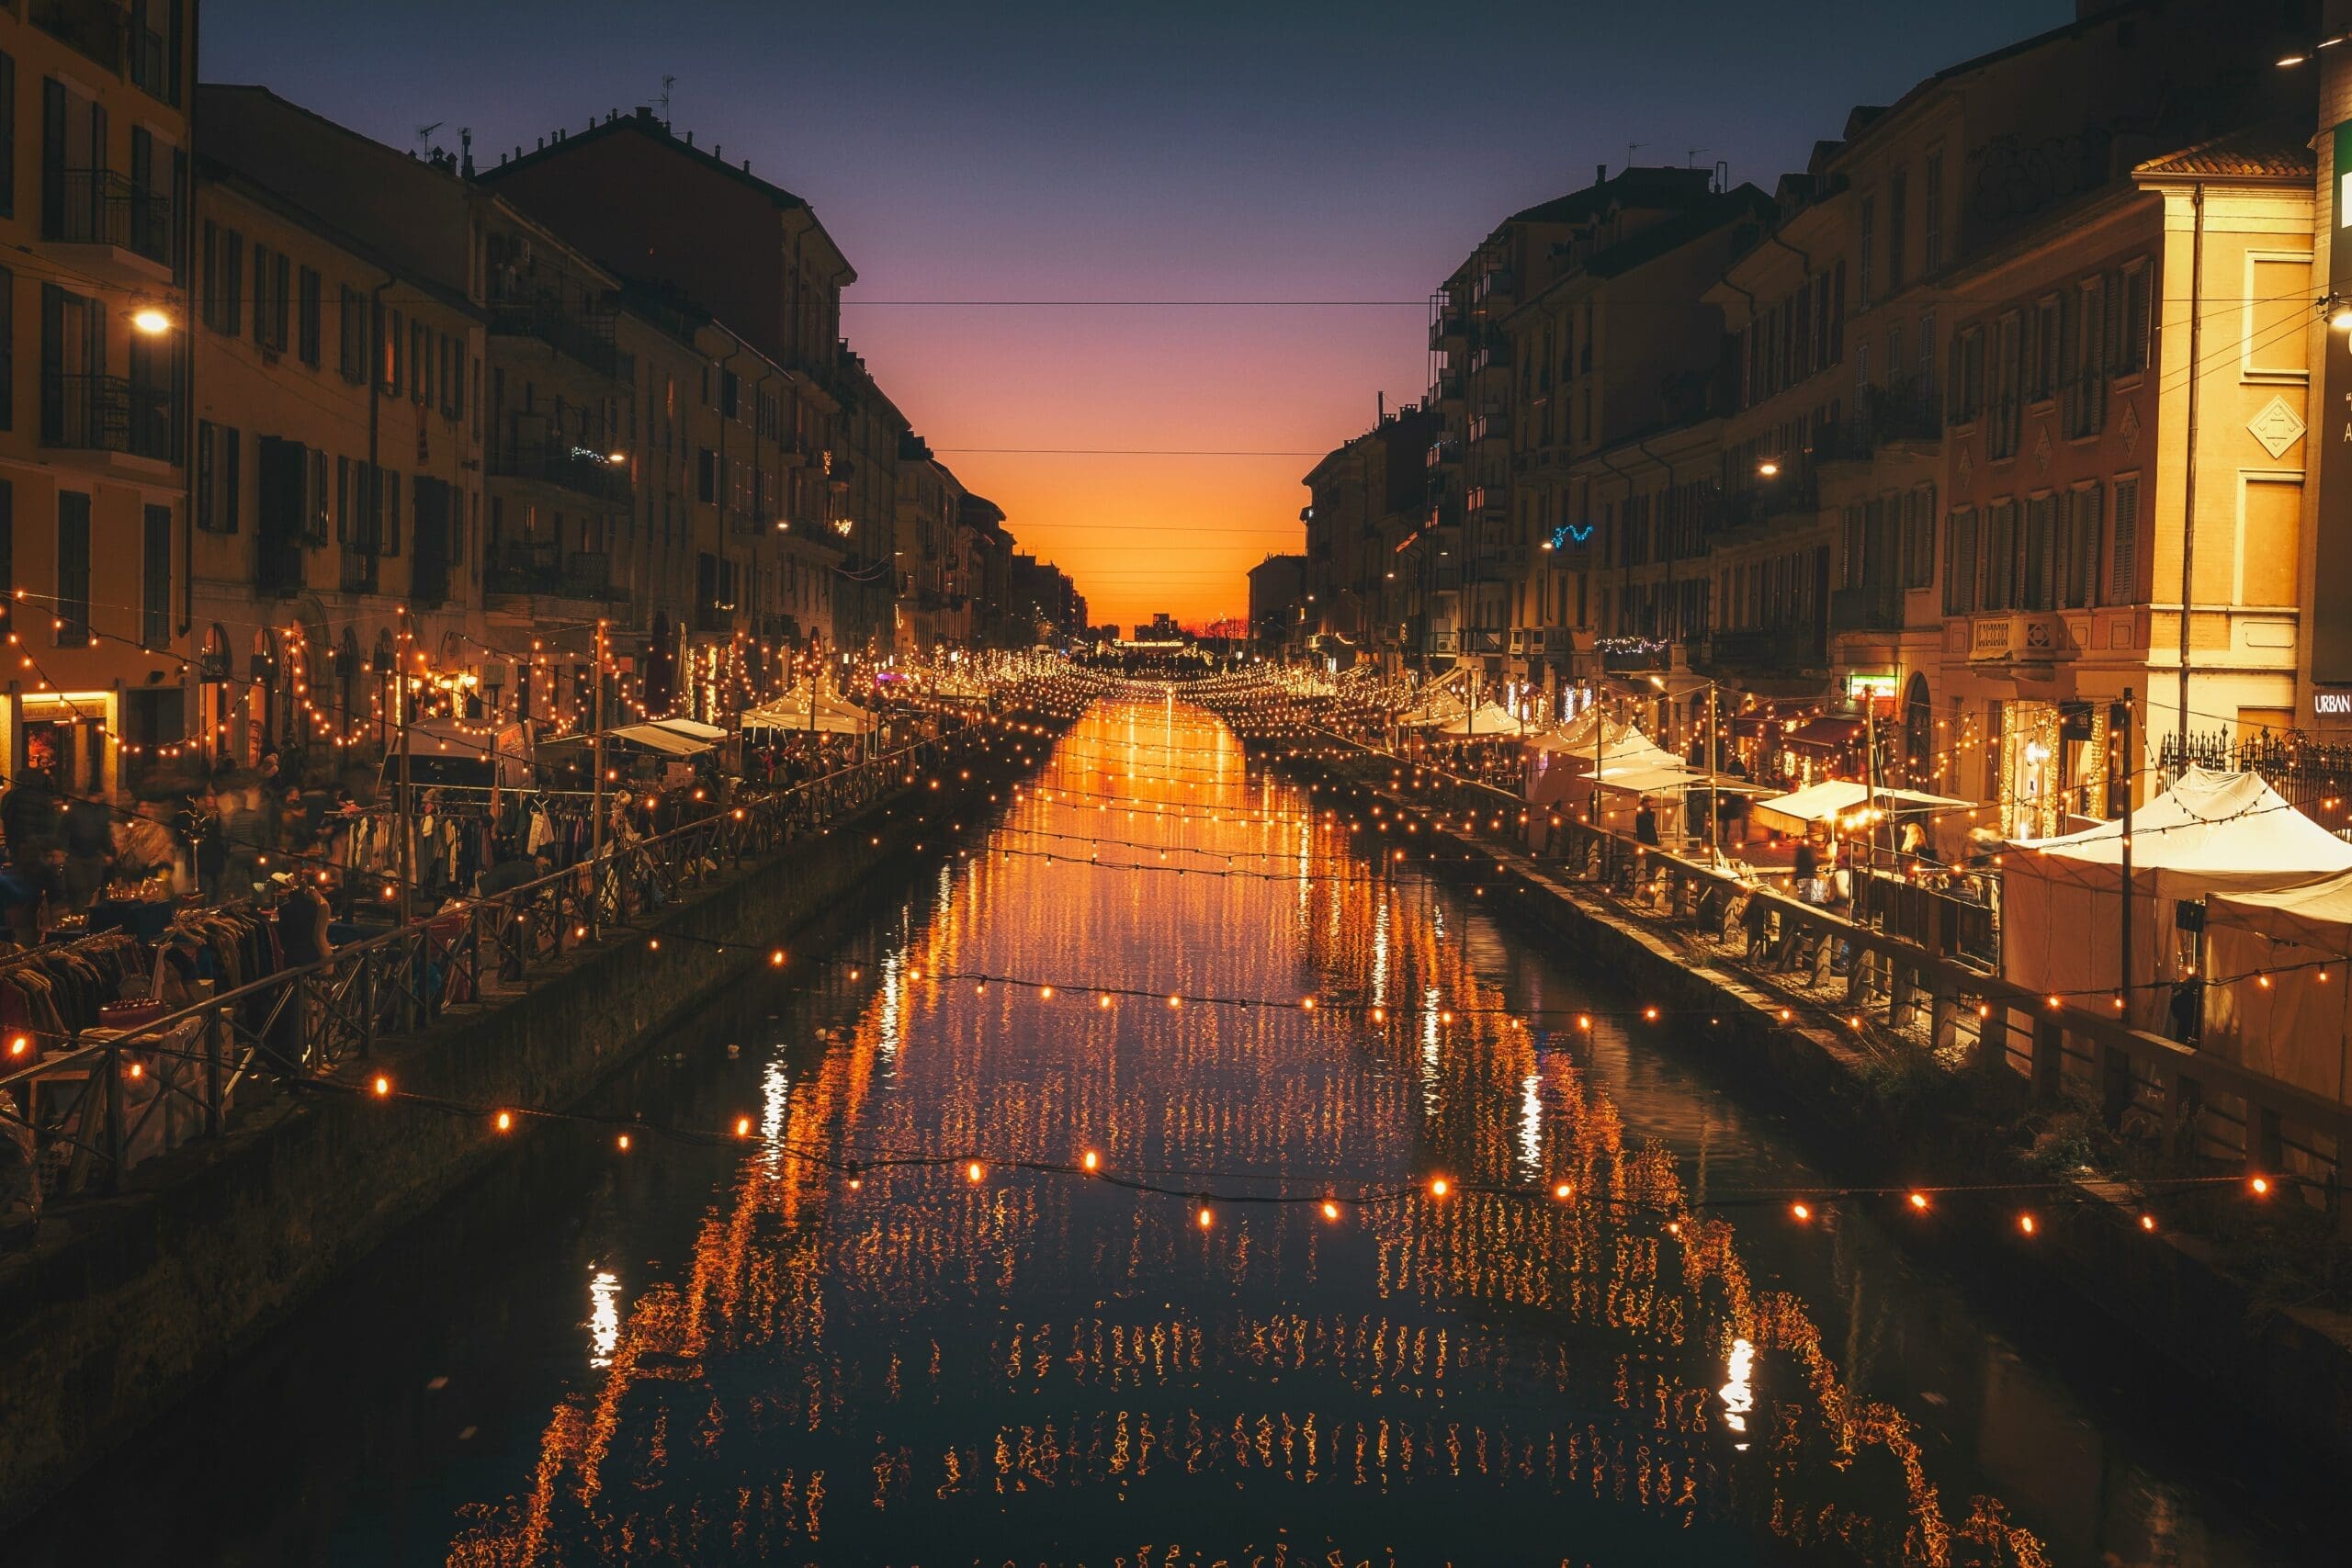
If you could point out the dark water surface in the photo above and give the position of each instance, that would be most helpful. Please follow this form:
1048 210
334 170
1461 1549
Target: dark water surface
715 1354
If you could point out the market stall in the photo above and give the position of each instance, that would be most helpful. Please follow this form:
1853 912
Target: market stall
2277 997
2062 898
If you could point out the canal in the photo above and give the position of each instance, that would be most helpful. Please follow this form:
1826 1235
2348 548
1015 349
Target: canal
900 1321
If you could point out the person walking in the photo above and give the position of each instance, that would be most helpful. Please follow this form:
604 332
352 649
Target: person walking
89 851
1645 822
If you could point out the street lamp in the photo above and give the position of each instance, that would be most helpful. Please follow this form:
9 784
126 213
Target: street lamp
151 321
1770 467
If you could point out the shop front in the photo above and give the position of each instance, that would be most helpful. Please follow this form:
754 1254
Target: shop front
69 735
2057 771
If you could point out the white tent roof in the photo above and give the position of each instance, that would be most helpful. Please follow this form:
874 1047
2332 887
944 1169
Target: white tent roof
654 738
793 710
2318 915
693 727
1833 797
2210 833
1491 719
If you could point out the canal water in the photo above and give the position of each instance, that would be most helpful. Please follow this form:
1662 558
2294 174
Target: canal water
899 1322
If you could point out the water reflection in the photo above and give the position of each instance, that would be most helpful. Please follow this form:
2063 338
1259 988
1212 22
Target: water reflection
926 1367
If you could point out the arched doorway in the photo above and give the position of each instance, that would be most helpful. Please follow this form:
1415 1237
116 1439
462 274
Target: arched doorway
1918 734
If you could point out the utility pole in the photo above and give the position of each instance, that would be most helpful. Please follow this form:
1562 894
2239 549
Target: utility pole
596 794
408 791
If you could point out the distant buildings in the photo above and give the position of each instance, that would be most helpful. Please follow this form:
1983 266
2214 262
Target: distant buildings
315 427
1278 604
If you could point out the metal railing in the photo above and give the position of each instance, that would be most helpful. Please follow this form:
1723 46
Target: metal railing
98 207
574 469
109 413
92 1101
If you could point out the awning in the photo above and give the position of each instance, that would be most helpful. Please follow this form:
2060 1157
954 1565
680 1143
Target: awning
693 728
1825 734
1819 803
653 738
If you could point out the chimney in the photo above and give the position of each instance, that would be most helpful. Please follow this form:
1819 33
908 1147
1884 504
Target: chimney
719 149
690 137
465 141
1600 174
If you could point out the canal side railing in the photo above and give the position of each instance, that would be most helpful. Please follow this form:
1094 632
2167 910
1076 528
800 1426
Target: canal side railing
96 1102
1888 990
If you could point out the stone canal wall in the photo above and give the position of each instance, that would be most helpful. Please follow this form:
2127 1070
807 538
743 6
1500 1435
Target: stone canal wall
129 1303
2289 1366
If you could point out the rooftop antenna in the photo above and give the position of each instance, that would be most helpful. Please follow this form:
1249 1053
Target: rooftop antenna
668 82
424 135
1631 148
1691 156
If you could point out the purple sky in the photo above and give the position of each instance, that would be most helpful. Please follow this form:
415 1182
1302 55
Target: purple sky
1106 152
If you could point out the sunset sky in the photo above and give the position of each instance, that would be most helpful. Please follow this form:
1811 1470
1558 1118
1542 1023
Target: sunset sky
1325 164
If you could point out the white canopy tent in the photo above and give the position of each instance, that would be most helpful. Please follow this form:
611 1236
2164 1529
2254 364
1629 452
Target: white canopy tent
693 728
660 738
796 711
2277 997
1835 798
1493 719
1555 773
2210 833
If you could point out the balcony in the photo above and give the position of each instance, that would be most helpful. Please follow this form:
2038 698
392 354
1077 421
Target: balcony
573 468
1490 428
1480 639
1779 650
94 29
111 416
1873 607
1447 389
542 568
1495 290
128 232
1490 357
2020 636
585 338
1451 329
361 571
1444 453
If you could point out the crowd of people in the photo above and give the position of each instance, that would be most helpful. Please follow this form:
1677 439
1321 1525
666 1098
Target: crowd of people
72 862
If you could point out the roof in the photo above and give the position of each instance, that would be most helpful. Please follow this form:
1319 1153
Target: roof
2213 829
644 123
2278 149
1628 187
1671 235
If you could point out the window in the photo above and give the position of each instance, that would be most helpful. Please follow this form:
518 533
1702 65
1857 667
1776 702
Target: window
7 136
2034 578
1967 389
155 578
2005 406
705 476
224 280
73 568
388 513
2041 353
318 510
1866 261
1931 213
2085 413
306 315
2131 345
2079 542
729 394
1919 536
218 454
1999 546
7 350
1926 371
269 299
2123 559
351 334
1897 219
388 369
8 553
420 362
346 507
